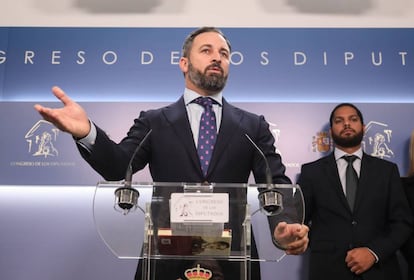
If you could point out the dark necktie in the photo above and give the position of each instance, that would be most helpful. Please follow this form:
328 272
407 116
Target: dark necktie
351 180
207 132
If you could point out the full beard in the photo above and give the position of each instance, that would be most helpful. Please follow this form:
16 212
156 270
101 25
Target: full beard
348 142
212 83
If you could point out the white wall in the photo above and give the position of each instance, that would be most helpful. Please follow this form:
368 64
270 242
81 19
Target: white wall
221 13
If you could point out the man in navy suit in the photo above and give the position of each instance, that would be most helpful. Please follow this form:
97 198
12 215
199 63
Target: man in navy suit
171 149
358 242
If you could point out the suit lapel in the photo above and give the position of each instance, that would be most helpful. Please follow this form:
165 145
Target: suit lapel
333 179
176 115
364 179
230 122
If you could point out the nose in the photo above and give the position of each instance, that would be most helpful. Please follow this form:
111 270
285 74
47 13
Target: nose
216 56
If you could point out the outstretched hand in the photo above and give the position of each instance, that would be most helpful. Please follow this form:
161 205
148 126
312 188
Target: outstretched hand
292 237
70 118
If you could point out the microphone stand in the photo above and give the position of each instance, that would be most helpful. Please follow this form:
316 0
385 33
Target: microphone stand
271 201
126 197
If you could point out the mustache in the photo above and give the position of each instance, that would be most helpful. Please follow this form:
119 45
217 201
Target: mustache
347 129
215 65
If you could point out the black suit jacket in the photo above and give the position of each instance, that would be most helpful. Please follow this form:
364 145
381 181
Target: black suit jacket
172 155
381 219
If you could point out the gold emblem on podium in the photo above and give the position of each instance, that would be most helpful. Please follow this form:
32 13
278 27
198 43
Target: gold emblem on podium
198 273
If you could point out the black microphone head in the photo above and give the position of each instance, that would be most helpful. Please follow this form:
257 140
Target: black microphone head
126 198
271 202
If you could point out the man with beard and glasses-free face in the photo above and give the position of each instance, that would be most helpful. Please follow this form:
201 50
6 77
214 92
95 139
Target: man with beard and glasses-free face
171 148
353 238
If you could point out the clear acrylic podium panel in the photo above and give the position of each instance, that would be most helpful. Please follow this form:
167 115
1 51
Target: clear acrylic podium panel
130 234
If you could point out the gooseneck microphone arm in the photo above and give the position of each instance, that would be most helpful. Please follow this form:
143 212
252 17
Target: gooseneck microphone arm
126 197
270 200
129 172
269 180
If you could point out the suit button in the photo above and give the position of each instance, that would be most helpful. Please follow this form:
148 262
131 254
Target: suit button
354 223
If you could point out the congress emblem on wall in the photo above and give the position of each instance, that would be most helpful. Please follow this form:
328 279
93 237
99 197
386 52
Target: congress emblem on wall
377 140
41 138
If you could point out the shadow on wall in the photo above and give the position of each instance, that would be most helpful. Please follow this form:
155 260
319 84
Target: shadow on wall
332 6
352 7
111 6
130 6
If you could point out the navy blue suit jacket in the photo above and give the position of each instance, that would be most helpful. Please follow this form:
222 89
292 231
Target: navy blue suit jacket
172 155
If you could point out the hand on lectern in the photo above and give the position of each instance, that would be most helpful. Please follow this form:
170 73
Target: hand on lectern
71 118
293 238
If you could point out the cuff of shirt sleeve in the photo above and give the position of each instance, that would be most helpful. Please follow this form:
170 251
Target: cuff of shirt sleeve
375 255
89 140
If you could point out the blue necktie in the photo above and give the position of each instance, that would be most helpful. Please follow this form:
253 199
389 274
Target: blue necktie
351 180
207 132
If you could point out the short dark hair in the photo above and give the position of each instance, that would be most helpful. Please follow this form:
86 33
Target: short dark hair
188 43
345 105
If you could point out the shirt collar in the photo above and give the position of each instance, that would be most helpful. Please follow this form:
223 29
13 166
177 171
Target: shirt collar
190 95
339 153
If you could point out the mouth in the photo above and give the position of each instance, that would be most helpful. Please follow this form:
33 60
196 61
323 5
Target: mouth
348 132
215 69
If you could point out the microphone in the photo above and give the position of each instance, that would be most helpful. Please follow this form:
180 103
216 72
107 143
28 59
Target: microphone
126 197
270 200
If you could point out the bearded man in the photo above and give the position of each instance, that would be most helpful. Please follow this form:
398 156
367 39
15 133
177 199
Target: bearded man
356 208
199 138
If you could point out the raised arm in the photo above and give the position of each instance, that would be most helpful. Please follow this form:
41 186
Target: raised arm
70 118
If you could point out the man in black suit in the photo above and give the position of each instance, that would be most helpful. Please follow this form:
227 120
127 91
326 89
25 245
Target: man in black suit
171 149
358 242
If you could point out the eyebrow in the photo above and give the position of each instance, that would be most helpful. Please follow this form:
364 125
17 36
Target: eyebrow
350 116
211 46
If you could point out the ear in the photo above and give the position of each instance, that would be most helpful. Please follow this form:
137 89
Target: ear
184 64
